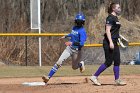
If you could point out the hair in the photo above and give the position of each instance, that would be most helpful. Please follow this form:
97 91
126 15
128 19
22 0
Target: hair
79 23
111 6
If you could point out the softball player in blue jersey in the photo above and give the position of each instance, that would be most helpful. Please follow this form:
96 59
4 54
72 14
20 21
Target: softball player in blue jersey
74 45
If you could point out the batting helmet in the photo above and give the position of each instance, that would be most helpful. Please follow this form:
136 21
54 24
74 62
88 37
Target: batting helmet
80 16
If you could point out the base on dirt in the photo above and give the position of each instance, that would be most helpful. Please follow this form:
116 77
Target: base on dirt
33 84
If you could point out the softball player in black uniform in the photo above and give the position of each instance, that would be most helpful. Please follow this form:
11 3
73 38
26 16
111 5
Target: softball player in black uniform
111 48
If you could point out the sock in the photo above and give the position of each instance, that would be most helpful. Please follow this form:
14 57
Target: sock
53 71
116 70
80 64
100 70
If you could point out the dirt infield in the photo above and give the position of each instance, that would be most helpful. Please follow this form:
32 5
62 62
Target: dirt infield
76 84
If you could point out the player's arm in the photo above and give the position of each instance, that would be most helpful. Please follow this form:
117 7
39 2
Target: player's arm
109 23
63 37
66 43
108 33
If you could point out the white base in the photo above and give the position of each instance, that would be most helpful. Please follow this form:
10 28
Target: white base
33 84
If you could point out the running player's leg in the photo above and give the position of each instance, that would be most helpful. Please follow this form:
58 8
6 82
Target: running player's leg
76 61
66 53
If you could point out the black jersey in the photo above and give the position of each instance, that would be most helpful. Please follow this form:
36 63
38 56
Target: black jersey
115 26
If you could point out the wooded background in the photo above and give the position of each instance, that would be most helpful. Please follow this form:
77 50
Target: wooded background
58 16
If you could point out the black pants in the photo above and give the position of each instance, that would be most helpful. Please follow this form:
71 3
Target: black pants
111 54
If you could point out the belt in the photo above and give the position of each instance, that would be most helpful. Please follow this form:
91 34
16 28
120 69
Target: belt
74 48
115 40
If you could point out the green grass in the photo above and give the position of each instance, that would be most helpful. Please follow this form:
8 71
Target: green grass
32 71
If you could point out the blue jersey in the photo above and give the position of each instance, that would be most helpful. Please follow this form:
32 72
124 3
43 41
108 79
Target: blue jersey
78 37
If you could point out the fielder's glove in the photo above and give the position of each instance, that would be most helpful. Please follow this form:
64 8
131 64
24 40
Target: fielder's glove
123 42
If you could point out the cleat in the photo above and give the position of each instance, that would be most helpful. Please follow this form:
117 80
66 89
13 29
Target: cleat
45 79
95 80
120 82
82 68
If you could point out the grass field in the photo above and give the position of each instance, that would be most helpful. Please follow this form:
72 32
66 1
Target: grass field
34 71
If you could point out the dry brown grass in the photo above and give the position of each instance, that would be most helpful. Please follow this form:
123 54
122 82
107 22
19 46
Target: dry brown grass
129 29
57 16
96 26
